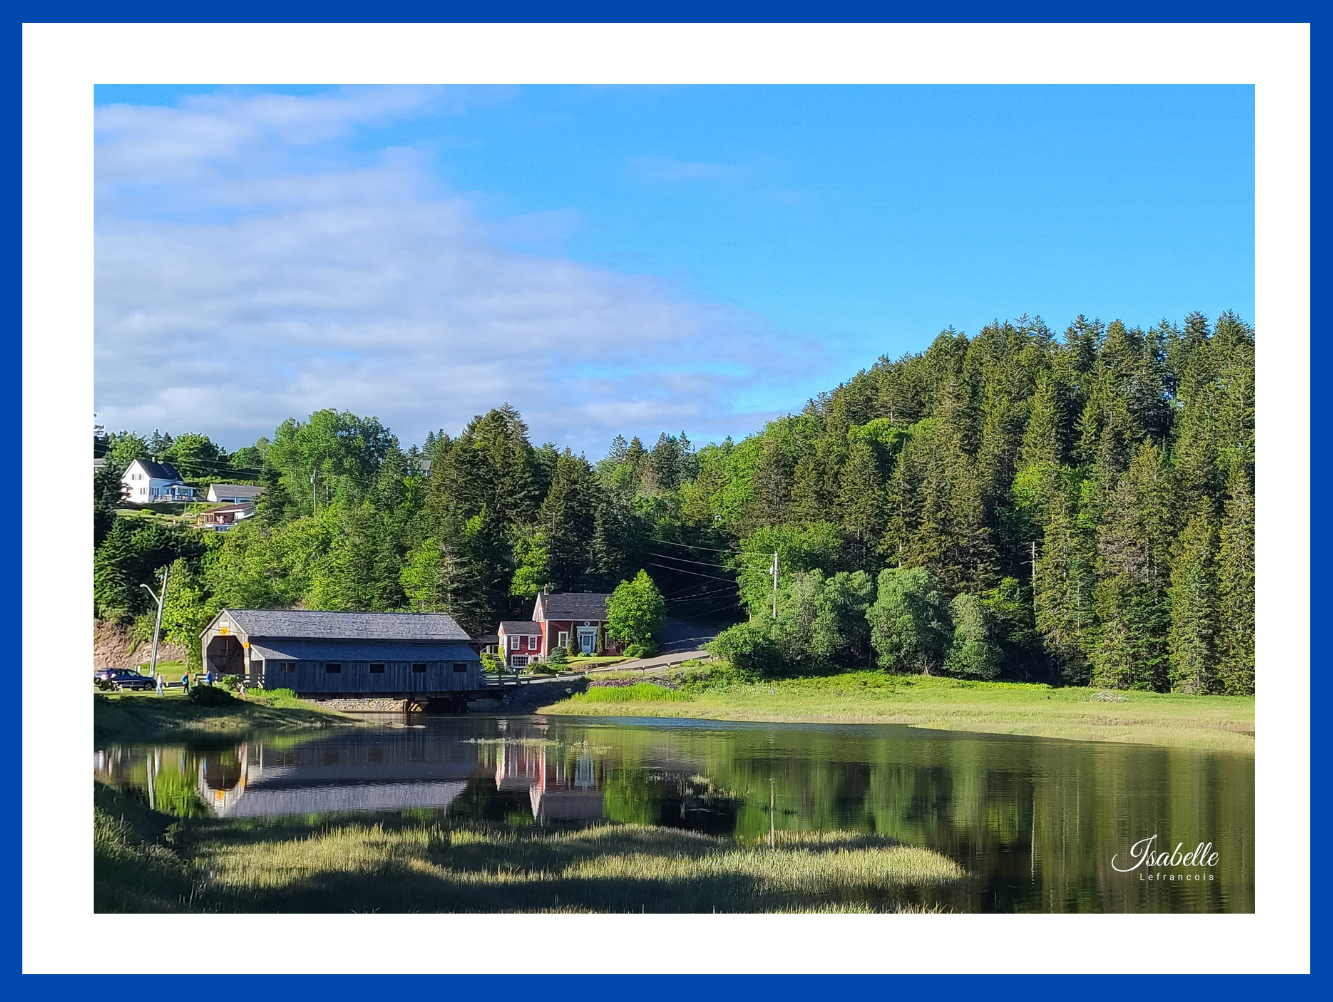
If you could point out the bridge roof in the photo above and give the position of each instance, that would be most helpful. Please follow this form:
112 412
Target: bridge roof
290 650
311 625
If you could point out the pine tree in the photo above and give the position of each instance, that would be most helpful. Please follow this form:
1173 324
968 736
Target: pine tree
773 476
1133 543
1194 608
1064 585
1236 588
864 498
1041 437
568 519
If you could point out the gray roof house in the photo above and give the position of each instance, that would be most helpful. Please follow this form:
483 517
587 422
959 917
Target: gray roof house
574 619
571 605
232 493
396 654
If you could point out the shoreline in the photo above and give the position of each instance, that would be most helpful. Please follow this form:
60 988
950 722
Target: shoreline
1208 723
132 717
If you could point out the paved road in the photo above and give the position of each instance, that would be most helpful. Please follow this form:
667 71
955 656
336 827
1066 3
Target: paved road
678 636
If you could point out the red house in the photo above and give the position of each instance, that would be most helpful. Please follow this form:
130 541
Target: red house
556 619
575 615
520 642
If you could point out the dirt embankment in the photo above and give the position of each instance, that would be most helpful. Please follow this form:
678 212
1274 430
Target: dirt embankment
114 646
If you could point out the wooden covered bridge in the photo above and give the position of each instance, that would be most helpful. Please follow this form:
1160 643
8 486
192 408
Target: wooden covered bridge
396 655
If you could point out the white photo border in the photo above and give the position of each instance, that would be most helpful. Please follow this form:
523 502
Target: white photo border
62 63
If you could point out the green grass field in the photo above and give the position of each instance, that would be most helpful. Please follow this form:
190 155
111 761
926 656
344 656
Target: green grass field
146 862
1209 722
135 716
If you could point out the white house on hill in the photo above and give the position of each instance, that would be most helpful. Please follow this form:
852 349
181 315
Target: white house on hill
148 482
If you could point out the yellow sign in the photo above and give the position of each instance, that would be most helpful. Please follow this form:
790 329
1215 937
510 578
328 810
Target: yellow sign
245 643
224 630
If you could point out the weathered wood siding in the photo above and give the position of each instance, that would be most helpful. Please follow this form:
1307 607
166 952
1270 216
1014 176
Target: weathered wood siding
357 678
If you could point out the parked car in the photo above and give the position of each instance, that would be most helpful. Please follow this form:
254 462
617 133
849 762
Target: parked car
123 678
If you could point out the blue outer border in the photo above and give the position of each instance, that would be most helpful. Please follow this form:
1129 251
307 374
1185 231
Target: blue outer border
579 988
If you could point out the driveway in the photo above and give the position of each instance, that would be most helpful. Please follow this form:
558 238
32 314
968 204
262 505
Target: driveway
679 636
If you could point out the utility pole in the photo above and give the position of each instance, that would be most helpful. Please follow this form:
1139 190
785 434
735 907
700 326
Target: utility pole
157 626
774 571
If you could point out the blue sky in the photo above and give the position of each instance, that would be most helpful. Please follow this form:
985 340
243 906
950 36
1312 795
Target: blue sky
631 259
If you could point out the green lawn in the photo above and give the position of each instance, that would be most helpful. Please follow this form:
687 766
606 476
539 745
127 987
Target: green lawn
136 716
146 862
1211 722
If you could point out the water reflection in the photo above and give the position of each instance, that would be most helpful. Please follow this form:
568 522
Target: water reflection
1036 822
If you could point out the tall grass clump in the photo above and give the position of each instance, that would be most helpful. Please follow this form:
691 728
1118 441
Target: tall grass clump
644 692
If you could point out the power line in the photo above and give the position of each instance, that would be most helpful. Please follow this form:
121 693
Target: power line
679 570
695 595
701 563
692 546
691 588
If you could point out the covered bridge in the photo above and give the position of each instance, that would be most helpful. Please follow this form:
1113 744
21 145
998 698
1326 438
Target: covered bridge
394 654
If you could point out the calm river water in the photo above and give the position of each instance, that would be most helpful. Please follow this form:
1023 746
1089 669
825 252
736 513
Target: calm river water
1035 822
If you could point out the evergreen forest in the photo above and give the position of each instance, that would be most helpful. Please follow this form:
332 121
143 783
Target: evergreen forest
1074 509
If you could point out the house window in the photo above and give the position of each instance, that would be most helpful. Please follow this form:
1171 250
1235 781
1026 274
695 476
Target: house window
286 666
562 639
419 667
519 661
333 667
513 643
377 669
460 666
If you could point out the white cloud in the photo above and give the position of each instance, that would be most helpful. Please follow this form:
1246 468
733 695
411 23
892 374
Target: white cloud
370 290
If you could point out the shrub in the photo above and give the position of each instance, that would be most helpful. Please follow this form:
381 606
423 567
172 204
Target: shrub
642 650
230 682
558 659
748 647
212 695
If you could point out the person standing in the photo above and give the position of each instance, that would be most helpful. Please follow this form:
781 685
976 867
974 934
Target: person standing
160 691
185 683
208 677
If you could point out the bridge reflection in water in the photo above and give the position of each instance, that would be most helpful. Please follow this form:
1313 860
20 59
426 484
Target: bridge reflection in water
373 771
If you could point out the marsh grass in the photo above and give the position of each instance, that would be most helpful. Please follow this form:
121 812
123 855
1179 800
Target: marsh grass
405 864
134 869
643 692
1216 723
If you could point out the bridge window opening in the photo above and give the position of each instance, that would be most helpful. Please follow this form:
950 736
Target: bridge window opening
419 667
286 666
333 667
377 669
460 666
